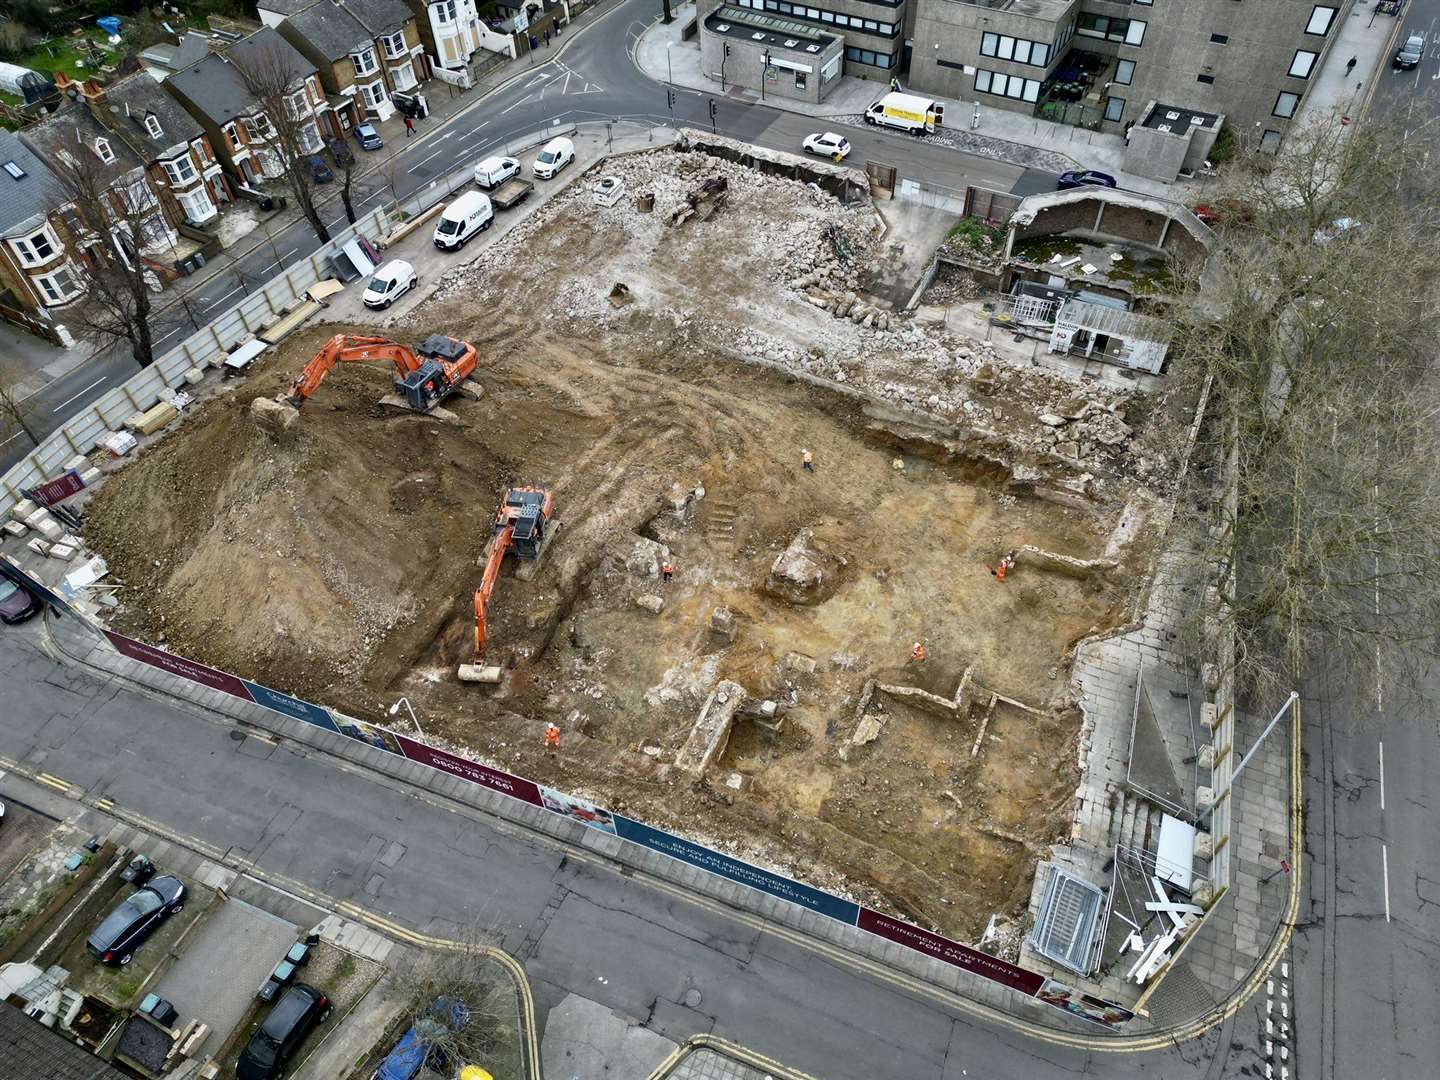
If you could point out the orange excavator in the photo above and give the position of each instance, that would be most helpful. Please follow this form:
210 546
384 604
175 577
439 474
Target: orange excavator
424 376
522 525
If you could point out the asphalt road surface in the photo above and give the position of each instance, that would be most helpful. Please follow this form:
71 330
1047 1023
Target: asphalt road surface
593 81
1412 96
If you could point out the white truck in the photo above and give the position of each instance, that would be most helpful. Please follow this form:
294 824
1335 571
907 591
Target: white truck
907 112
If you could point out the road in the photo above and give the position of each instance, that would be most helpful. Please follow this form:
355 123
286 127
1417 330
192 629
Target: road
576 925
1413 96
594 80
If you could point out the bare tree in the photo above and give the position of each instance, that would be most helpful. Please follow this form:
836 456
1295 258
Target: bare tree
14 413
347 173
111 218
1317 322
465 1008
286 127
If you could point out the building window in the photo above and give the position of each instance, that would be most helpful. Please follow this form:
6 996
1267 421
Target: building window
364 62
866 56
404 77
374 94
444 11
297 104
1303 63
1003 47
309 138
1007 86
1208 80
1128 31
1270 141
1285 105
152 125
820 15
197 206
103 151
1321 19
38 247
1220 39
1125 72
181 170
59 286
1114 108
394 45
799 80
258 129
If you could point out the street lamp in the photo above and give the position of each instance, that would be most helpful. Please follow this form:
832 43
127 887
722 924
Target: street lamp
764 72
413 719
669 75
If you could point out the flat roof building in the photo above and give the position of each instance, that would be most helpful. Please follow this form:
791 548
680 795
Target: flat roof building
776 56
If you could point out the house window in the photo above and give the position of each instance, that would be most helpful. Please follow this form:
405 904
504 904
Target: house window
404 77
15 170
364 62
181 170
1125 72
59 286
444 11
258 129
1303 63
197 206
297 105
1285 105
38 247
1114 108
103 151
1321 19
309 137
374 94
152 125
394 45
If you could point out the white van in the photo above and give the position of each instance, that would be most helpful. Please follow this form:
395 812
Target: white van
494 171
554 156
907 112
469 214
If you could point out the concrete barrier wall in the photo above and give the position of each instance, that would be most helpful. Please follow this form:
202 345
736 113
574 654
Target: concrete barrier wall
263 305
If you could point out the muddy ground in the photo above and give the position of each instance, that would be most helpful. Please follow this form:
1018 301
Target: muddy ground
339 561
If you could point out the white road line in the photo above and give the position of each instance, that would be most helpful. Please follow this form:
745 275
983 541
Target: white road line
223 297
1385 863
81 394
1382 774
7 442
427 157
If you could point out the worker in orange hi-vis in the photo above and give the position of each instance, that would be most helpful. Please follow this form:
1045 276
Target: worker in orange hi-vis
807 461
552 738
1004 566
667 571
917 652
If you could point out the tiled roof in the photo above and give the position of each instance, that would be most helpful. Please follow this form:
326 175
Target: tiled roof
216 88
24 199
29 1050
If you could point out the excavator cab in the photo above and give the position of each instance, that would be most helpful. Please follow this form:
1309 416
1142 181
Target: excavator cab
427 385
525 511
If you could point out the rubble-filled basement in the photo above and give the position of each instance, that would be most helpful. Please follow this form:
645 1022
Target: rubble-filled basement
836 683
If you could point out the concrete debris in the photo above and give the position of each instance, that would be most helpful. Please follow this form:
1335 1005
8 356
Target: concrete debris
722 624
797 574
646 557
274 416
711 732
650 602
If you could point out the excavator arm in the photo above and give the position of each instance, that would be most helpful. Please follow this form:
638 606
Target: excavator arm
347 348
498 550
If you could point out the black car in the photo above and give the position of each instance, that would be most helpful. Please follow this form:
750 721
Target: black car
298 1011
1411 53
124 929
16 602
340 151
1075 178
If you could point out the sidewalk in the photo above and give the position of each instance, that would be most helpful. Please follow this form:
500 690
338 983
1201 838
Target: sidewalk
973 128
1349 93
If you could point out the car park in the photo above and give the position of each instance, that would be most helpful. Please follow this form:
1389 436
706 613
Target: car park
827 144
121 932
494 171
553 157
391 281
17 603
294 1016
368 137
1075 178
1409 55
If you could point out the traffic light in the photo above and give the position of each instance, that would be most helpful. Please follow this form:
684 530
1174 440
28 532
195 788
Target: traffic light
714 125
670 100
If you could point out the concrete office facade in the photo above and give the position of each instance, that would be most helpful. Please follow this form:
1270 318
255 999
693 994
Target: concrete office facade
874 32
1250 60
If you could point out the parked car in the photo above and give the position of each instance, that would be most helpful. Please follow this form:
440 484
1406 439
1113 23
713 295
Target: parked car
1074 178
465 216
319 170
1409 55
124 929
340 151
294 1016
554 156
391 281
827 145
422 1044
368 137
17 603
494 171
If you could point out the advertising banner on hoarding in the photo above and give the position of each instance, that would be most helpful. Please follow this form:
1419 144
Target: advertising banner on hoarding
516 787
290 706
61 488
578 809
951 952
1083 1005
782 888
172 664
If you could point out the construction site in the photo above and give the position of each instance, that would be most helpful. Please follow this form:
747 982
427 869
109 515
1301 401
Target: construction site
800 577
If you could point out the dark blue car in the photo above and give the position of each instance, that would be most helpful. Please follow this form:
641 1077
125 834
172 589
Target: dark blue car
1075 178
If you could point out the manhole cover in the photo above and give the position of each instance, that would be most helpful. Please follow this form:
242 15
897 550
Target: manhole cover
692 998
